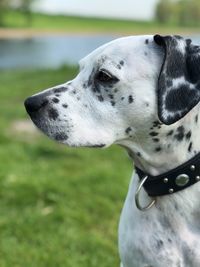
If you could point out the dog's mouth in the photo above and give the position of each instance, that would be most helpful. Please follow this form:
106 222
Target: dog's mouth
61 127
96 146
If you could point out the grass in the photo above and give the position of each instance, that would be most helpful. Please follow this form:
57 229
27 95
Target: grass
58 206
16 19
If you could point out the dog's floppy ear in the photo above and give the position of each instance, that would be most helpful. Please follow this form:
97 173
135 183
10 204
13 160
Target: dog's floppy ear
179 79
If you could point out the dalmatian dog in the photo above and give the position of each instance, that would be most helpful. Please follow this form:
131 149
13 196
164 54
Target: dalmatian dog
142 93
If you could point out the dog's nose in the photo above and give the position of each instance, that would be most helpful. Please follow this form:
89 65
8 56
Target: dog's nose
34 103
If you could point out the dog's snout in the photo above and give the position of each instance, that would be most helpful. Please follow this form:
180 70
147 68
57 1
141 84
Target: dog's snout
34 103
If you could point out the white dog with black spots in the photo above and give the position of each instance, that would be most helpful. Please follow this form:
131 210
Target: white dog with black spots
140 92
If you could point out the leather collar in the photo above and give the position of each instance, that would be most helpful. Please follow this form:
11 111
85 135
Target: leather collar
174 180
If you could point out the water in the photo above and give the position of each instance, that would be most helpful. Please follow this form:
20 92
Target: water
50 52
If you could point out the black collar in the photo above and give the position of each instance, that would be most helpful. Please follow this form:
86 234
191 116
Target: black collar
174 180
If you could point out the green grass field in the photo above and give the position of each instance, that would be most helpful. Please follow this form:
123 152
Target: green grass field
13 19
58 206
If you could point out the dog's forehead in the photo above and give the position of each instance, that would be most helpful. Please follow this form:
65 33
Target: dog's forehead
118 49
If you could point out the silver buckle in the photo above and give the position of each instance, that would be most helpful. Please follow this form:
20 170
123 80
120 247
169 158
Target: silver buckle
137 193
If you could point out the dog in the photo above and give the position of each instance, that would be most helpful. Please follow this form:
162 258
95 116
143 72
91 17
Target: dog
142 93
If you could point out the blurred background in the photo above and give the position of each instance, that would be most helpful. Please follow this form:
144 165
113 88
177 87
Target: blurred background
60 206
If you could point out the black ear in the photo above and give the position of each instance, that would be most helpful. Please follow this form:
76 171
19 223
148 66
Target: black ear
179 79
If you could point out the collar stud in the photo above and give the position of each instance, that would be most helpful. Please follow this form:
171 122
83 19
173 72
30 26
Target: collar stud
182 179
192 167
165 180
197 178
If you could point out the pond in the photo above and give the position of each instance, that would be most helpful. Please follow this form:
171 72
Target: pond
50 52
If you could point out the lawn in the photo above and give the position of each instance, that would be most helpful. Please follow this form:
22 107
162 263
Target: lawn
13 19
58 206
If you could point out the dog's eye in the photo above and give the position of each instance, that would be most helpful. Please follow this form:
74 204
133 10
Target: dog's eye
104 76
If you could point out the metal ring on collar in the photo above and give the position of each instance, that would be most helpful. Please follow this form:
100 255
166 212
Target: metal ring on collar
137 193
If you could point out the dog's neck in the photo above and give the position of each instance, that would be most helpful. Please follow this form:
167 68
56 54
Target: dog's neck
160 148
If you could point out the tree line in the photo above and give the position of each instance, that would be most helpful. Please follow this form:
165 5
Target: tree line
23 6
179 12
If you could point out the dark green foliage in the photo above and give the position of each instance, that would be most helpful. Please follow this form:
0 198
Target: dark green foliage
179 12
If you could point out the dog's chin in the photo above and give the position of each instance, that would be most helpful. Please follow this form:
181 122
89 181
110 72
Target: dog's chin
62 137
74 144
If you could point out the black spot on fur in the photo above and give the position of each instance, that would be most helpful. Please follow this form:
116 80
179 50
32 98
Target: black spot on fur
156 123
65 105
61 136
138 154
100 98
121 63
196 118
111 96
55 100
188 135
146 41
170 133
74 92
156 140
128 130
91 78
180 133
53 114
122 98
115 90
57 95
84 85
188 41
112 103
159 244
176 206
153 133
119 66
130 99
93 83
157 149
60 89
190 147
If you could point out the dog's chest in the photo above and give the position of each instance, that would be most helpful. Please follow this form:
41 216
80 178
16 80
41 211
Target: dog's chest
147 240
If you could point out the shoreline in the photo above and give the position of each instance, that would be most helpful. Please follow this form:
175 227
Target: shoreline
12 33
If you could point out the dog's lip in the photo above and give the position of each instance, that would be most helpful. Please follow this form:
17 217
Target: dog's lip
86 145
97 146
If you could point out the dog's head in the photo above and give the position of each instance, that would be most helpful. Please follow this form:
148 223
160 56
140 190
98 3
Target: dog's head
121 87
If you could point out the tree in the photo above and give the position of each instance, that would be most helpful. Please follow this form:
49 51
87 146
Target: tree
3 7
182 12
25 7
163 11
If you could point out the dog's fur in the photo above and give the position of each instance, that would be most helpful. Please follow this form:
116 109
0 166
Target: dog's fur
141 93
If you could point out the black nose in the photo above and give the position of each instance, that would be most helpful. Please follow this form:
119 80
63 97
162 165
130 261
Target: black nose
34 103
